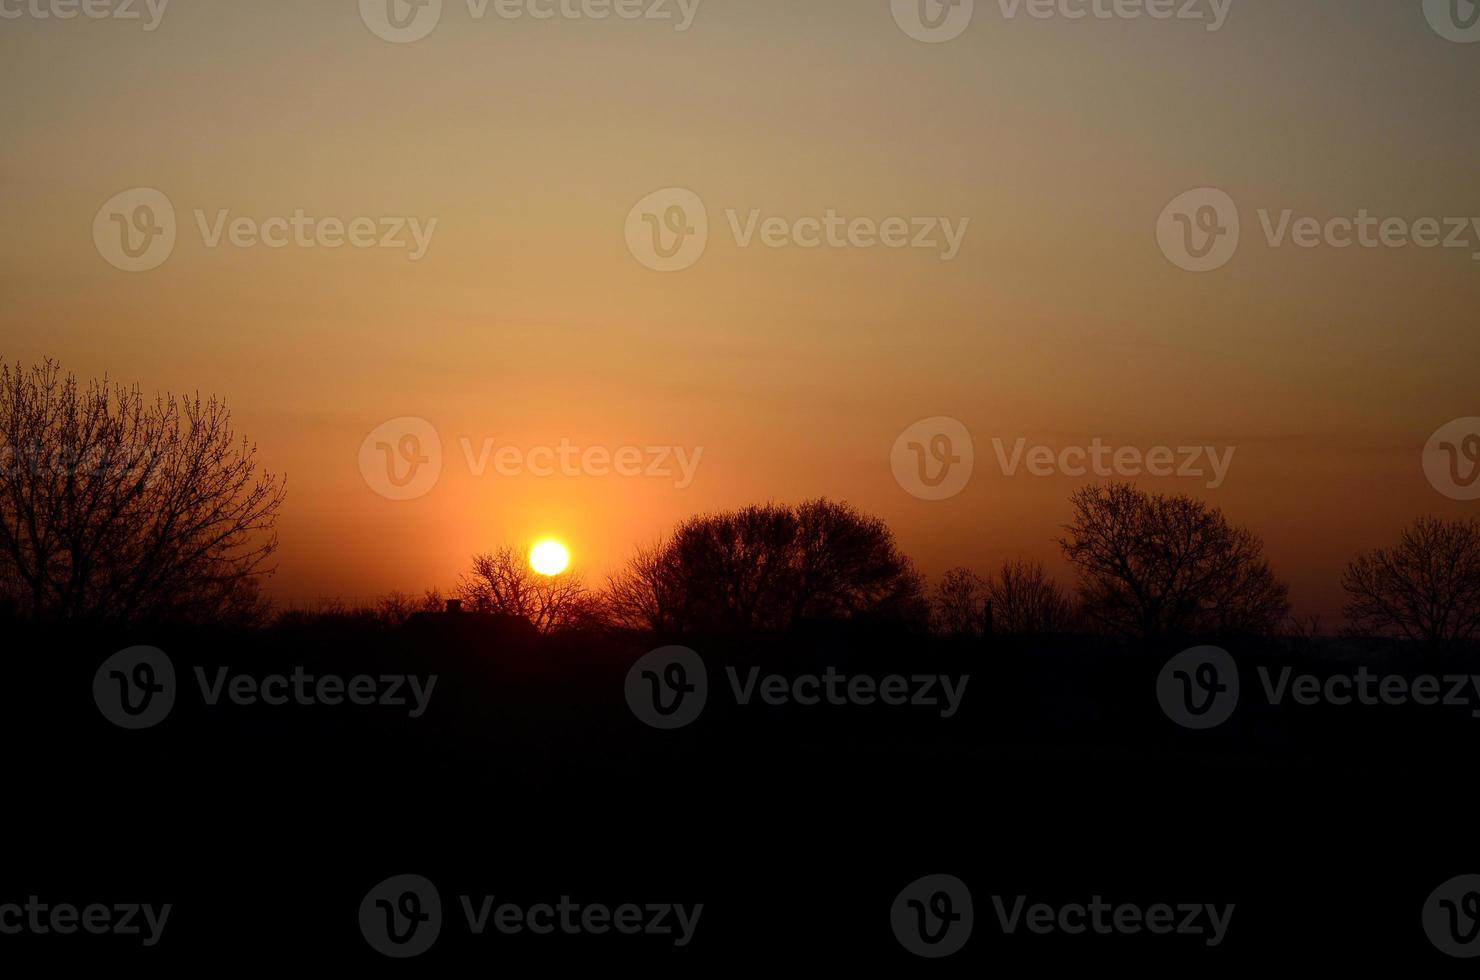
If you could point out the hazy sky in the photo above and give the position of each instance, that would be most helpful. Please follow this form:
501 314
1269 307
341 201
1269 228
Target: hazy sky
528 320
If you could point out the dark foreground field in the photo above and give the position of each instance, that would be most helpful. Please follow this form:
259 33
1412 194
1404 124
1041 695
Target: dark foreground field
1059 778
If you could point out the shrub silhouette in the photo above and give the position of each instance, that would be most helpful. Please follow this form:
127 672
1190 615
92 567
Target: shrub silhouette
1426 588
1152 565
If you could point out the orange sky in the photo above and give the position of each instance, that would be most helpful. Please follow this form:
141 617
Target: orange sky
528 321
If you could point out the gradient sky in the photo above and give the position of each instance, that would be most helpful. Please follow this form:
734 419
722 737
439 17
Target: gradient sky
528 321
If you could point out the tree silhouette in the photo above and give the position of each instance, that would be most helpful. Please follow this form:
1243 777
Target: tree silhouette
1426 588
958 603
114 508
1026 602
768 567
1152 565
502 582
643 595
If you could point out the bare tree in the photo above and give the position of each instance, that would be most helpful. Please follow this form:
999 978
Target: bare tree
768 567
958 603
1426 588
1152 565
1026 601
503 582
115 508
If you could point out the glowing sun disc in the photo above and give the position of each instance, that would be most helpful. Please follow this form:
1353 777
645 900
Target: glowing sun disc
549 558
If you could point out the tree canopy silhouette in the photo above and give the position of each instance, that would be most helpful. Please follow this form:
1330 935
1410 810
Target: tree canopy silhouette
1426 588
767 568
1152 565
116 508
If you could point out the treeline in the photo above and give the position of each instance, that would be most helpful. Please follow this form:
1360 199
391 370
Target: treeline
123 510
1147 567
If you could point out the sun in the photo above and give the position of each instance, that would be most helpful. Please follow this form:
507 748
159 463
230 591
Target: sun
549 558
